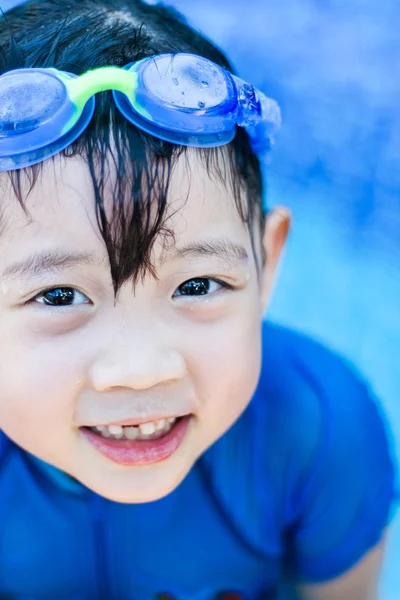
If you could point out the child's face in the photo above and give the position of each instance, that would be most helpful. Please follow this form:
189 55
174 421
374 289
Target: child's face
154 353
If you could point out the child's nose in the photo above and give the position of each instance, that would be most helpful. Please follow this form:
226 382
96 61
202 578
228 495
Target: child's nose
139 365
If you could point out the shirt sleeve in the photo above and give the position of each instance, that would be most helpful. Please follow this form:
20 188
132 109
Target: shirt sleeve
345 495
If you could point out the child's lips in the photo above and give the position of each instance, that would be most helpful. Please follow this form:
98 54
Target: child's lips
137 452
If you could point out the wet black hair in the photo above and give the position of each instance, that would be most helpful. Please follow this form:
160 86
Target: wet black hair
78 35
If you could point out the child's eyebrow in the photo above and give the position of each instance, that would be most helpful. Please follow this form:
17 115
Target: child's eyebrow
49 260
58 259
226 250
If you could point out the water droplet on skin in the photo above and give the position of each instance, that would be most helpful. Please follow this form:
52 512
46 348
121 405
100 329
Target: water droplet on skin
204 84
201 104
175 81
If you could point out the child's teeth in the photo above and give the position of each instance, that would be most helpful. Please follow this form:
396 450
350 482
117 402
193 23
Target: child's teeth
147 428
131 432
140 432
116 430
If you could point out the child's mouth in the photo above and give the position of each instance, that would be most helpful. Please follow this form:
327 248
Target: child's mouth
139 445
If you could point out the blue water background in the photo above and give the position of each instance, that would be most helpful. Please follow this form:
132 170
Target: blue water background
334 67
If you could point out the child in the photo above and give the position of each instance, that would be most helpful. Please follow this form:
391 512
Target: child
158 440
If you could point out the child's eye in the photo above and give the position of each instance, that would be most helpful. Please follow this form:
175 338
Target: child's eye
199 286
61 296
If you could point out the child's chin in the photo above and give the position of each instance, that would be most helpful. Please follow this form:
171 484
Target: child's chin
139 487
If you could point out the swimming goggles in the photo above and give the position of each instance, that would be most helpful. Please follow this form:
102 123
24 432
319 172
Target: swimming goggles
180 98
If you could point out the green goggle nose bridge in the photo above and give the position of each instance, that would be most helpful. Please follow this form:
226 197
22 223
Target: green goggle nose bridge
84 87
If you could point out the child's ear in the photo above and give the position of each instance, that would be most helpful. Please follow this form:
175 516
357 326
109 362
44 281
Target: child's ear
277 225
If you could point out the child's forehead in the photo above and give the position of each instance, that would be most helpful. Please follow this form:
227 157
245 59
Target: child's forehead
62 202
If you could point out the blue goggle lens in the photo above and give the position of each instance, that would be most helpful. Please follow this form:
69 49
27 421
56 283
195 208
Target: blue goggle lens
28 100
34 110
183 99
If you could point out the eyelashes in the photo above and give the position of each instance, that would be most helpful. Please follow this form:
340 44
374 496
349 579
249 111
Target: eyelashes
67 296
200 286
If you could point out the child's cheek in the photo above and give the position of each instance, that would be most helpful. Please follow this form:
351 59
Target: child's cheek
39 382
225 364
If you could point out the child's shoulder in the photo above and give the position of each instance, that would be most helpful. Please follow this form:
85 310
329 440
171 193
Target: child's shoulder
312 399
304 383
324 436
293 363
